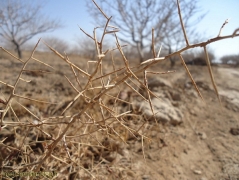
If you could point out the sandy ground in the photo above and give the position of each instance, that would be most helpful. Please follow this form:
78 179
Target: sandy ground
204 147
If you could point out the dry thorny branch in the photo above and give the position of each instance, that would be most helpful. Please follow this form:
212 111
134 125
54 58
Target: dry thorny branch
75 132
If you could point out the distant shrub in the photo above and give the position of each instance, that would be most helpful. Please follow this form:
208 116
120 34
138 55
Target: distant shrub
230 59
197 61
198 58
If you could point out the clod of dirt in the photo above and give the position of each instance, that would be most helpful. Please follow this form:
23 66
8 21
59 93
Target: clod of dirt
232 97
176 96
164 111
202 135
234 131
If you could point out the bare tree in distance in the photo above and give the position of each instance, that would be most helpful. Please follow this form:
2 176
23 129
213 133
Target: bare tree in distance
20 21
137 18
86 48
56 43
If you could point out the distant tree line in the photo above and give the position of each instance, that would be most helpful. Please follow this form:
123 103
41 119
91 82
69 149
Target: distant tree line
230 59
20 21
135 19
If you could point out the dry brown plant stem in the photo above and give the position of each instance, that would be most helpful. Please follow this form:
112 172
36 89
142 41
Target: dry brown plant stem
181 22
96 117
211 74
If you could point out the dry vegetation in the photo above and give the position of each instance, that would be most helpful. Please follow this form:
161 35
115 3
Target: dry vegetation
78 126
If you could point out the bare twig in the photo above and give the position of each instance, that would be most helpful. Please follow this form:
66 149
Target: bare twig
211 74
153 49
219 34
190 76
181 21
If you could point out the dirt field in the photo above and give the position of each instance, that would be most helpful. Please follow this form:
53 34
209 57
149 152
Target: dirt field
205 146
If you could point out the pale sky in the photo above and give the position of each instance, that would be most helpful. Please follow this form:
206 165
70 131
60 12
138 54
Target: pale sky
74 13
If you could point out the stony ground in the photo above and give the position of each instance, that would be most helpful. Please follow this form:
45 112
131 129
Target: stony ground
205 145
195 139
